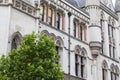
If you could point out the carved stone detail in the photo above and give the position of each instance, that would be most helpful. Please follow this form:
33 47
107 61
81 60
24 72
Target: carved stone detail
95 48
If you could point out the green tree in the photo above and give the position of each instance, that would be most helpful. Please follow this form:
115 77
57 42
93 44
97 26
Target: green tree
35 59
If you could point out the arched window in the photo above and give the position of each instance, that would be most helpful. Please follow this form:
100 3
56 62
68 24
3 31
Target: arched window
77 61
83 60
104 70
112 68
80 62
59 48
16 40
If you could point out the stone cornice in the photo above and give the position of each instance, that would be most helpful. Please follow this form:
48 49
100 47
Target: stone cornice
64 5
108 11
109 58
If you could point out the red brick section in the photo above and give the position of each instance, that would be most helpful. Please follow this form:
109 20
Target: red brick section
47 14
85 33
55 15
63 21
78 30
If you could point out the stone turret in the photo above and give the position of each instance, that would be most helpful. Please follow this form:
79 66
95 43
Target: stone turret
92 7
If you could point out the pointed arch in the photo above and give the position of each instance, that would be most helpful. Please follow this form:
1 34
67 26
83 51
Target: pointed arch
15 40
83 52
112 68
104 64
45 32
77 49
59 41
104 70
53 36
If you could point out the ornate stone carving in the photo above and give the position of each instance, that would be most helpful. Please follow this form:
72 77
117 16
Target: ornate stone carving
95 48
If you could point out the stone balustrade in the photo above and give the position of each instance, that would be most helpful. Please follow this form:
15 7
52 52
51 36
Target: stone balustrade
21 5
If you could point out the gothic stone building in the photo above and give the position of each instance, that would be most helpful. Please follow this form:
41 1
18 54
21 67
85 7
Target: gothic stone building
86 33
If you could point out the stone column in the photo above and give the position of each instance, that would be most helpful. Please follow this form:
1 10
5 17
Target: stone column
116 42
108 74
106 39
94 70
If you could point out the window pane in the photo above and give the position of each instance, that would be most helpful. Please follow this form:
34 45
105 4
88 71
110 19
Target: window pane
50 16
58 21
42 12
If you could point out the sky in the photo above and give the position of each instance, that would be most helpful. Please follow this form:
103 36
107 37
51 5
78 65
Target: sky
114 2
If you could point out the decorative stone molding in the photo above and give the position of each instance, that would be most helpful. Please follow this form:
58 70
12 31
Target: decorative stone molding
64 5
47 25
25 7
21 6
15 34
109 11
93 7
95 48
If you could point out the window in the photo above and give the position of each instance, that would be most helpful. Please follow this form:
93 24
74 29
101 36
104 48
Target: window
50 12
14 44
109 30
104 70
75 29
81 32
42 12
111 38
116 73
82 66
112 72
58 21
76 64
79 63
15 41
110 50
59 49
113 52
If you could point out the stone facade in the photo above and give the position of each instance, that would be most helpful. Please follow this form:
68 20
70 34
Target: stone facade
87 41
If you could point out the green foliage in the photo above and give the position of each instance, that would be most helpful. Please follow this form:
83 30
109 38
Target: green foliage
35 59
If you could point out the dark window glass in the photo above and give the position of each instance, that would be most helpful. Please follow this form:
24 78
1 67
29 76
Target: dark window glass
81 33
50 12
76 64
42 11
82 67
75 25
14 44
